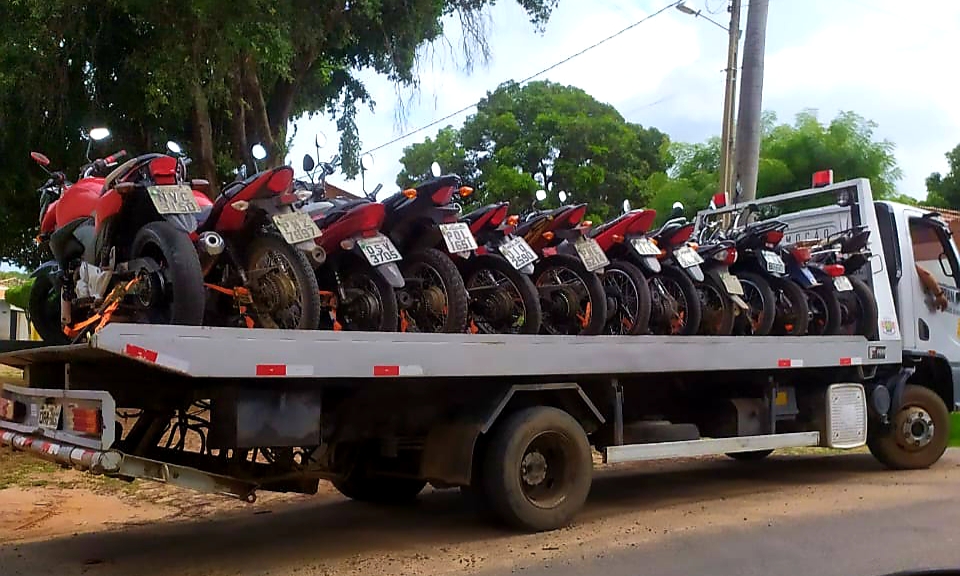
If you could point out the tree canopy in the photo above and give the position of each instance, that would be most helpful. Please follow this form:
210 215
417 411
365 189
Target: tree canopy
221 75
545 135
944 190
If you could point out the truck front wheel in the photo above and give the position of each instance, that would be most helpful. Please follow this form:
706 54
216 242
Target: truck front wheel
537 469
918 435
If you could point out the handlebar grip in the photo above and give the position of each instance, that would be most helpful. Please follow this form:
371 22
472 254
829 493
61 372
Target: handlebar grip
113 158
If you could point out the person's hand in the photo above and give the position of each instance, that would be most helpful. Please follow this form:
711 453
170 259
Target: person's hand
940 301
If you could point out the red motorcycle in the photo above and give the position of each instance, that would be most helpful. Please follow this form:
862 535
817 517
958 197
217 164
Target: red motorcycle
122 247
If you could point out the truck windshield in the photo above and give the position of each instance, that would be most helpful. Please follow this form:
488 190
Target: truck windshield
932 251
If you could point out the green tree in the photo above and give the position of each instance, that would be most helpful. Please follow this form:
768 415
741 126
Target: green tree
944 190
545 135
221 74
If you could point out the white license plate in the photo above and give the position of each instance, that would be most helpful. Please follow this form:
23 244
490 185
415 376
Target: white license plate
645 247
49 416
842 284
731 283
296 227
774 262
173 199
379 250
687 257
518 252
458 237
591 254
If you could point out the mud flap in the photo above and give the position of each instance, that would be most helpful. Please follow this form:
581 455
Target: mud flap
391 273
738 301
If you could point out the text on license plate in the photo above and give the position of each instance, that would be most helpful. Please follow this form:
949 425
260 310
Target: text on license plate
687 257
49 416
518 252
591 254
842 284
774 262
379 250
645 247
458 237
296 227
173 199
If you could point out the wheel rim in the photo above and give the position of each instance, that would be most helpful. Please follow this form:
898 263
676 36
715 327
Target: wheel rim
713 304
754 299
916 428
818 314
623 301
545 469
276 291
670 304
428 312
364 309
567 306
498 305
788 317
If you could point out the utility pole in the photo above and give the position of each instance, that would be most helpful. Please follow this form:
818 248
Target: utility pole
751 102
730 92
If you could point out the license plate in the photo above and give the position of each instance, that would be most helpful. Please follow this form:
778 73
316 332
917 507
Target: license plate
591 254
731 283
518 252
842 284
49 416
458 237
173 199
687 257
774 262
645 247
379 250
296 227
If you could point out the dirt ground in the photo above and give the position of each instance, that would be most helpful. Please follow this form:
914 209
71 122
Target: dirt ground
68 523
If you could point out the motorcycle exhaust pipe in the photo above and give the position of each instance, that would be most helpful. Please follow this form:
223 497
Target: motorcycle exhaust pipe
210 246
317 254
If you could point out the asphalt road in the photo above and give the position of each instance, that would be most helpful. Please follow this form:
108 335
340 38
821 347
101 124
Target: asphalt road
802 515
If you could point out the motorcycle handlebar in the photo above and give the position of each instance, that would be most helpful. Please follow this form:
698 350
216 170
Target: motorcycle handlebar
113 158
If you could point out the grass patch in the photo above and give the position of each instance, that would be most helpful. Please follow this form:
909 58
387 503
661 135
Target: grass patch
20 469
954 429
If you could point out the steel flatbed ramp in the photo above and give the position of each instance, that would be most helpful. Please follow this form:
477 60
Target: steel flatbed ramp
203 352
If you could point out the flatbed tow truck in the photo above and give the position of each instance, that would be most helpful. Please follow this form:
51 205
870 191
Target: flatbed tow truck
511 420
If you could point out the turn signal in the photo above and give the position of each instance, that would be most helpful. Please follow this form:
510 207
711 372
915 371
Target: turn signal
410 193
465 191
587 223
513 220
617 238
84 420
548 235
240 205
348 244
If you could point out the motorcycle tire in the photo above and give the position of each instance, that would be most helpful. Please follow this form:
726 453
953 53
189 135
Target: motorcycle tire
825 311
183 291
628 299
718 312
487 311
375 309
792 321
859 314
759 319
682 286
432 265
559 317
287 297
44 311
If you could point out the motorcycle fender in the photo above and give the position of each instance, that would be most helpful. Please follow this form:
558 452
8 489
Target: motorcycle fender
695 272
391 273
651 263
528 269
738 301
49 268
186 223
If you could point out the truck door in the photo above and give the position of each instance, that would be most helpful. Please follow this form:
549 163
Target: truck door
933 255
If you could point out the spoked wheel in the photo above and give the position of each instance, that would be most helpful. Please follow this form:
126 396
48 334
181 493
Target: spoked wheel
44 311
371 303
675 302
757 293
792 314
628 299
717 310
434 293
858 310
174 294
502 299
824 311
282 284
572 299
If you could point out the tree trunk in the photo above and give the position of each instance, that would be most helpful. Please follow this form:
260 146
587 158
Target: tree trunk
203 138
258 111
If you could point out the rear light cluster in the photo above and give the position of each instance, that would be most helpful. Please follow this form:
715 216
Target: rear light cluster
12 410
575 215
281 180
441 197
641 222
499 215
83 420
728 256
800 254
834 270
681 235
773 237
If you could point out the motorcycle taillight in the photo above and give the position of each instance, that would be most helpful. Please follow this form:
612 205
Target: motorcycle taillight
281 180
575 215
681 235
800 254
163 170
834 270
499 215
641 222
774 237
728 257
442 196
368 216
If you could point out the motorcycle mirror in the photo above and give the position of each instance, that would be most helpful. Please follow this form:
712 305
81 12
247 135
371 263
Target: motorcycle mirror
562 196
40 158
242 172
320 140
308 163
435 170
376 191
678 206
626 206
98 134
259 152
174 147
541 195
366 161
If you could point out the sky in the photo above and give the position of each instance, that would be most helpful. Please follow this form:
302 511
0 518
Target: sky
890 61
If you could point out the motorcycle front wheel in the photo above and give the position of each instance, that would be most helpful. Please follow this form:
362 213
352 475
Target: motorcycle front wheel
283 285
175 293
371 304
675 303
628 299
44 311
434 297
572 299
503 300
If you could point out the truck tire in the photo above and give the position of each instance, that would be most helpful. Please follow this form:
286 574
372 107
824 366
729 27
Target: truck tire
918 433
751 456
537 469
362 486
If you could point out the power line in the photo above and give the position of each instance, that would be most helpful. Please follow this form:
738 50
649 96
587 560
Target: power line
527 79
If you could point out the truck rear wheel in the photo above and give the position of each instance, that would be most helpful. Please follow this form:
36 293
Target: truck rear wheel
918 434
363 486
537 469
